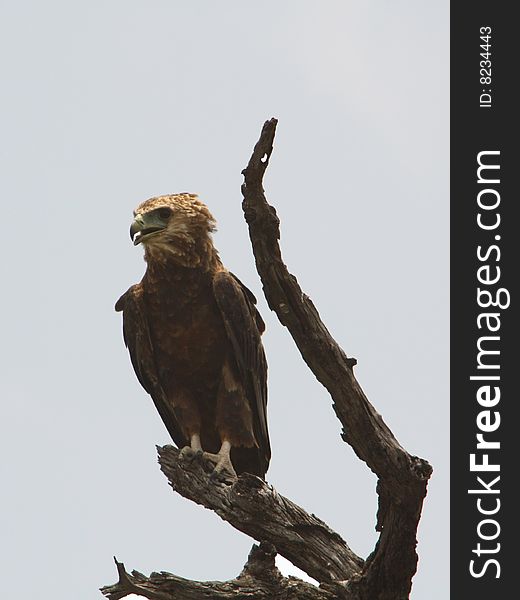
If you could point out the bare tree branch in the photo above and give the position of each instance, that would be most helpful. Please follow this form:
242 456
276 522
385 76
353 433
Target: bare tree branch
259 580
402 477
255 508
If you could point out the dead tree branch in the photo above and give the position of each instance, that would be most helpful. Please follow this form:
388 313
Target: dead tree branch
259 580
255 508
402 478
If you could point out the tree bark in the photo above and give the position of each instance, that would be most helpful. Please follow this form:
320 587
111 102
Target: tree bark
402 478
252 506
255 508
259 580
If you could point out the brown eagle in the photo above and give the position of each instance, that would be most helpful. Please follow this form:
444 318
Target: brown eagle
193 333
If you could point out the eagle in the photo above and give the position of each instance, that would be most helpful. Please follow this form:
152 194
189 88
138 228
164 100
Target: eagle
194 337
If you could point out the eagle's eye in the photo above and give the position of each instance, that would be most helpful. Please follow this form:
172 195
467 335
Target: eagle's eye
165 213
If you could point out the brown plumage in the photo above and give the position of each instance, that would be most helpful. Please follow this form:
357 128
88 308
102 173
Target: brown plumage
193 334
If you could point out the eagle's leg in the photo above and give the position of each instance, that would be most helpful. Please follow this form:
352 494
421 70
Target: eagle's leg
222 461
194 450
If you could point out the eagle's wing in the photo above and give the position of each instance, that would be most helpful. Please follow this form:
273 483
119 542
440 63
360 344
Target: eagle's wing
136 334
244 326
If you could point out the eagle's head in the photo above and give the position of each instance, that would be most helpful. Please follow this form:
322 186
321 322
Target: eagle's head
175 227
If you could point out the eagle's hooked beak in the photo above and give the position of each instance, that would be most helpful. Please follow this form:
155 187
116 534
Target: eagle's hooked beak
144 226
135 230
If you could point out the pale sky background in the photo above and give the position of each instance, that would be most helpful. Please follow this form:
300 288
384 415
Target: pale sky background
105 104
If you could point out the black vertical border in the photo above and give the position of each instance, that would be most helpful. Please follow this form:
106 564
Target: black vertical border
475 129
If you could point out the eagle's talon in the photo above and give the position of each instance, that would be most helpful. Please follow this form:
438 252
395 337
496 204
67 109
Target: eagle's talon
189 454
223 466
221 476
215 476
186 452
214 458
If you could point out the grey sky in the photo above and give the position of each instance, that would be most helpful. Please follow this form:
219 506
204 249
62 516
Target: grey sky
107 103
